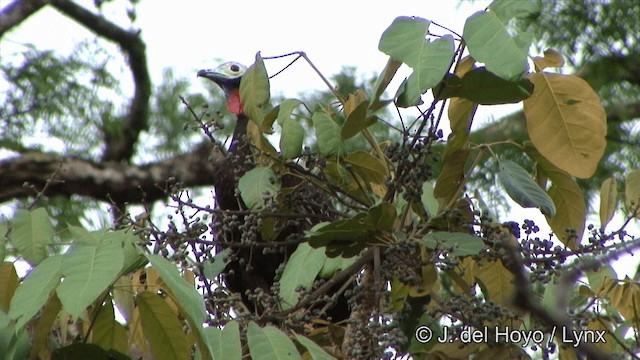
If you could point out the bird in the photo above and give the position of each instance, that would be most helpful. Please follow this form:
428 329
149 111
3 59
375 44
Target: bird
252 269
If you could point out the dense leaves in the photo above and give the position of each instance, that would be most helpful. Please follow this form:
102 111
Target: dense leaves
363 232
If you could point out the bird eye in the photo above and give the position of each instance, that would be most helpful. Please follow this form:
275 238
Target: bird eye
235 68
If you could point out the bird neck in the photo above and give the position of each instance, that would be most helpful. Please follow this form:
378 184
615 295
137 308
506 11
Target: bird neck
233 103
238 141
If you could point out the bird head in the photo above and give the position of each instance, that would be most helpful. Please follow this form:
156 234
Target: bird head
227 76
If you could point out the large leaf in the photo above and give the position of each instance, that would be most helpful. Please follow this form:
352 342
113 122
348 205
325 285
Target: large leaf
551 58
383 81
183 293
451 177
269 343
300 271
405 40
329 134
34 291
32 232
9 282
571 207
291 139
632 192
608 196
357 120
342 237
254 90
368 166
315 351
220 261
489 41
88 271
483 87
496 281
162 328
225 343
522 189
257 183
566 122
107 332
462 244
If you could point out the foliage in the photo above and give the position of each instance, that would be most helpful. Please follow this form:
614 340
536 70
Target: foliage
409 243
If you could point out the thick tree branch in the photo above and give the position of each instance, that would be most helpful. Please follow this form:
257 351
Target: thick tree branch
16 12
121 142
105 180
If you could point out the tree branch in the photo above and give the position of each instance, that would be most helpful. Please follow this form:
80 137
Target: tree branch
106 181
121 142
16 12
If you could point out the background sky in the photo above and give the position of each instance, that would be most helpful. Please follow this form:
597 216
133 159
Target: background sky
189 35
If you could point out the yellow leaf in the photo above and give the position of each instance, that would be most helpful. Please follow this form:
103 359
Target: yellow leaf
598 326
451 177
497 281
608 195
571 210
624 295
8 284
566 122
632 192
551 58
161 326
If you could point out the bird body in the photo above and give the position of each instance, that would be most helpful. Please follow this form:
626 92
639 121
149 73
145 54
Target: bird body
252 269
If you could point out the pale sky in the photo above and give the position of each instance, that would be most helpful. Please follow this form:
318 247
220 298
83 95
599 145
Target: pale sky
194 34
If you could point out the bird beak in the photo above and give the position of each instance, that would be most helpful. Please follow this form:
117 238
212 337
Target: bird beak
209 74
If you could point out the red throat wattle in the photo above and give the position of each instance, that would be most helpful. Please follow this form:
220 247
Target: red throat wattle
233 104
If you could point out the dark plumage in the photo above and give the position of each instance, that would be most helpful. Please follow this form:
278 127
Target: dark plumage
252 269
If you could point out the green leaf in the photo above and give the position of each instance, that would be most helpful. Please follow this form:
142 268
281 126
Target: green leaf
463 244
608 197
255 90
371 168
315 351
269 343
32 232
484 87
342 237
509 9
357 120
291 139
4 230
489 42
329 134
183 293
383 81
162 328
332 265
225 343
382 216
405 41
522 189
428 199
34 291
88 271
301 270
220 261
107 332
286 109
257 183
632 191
